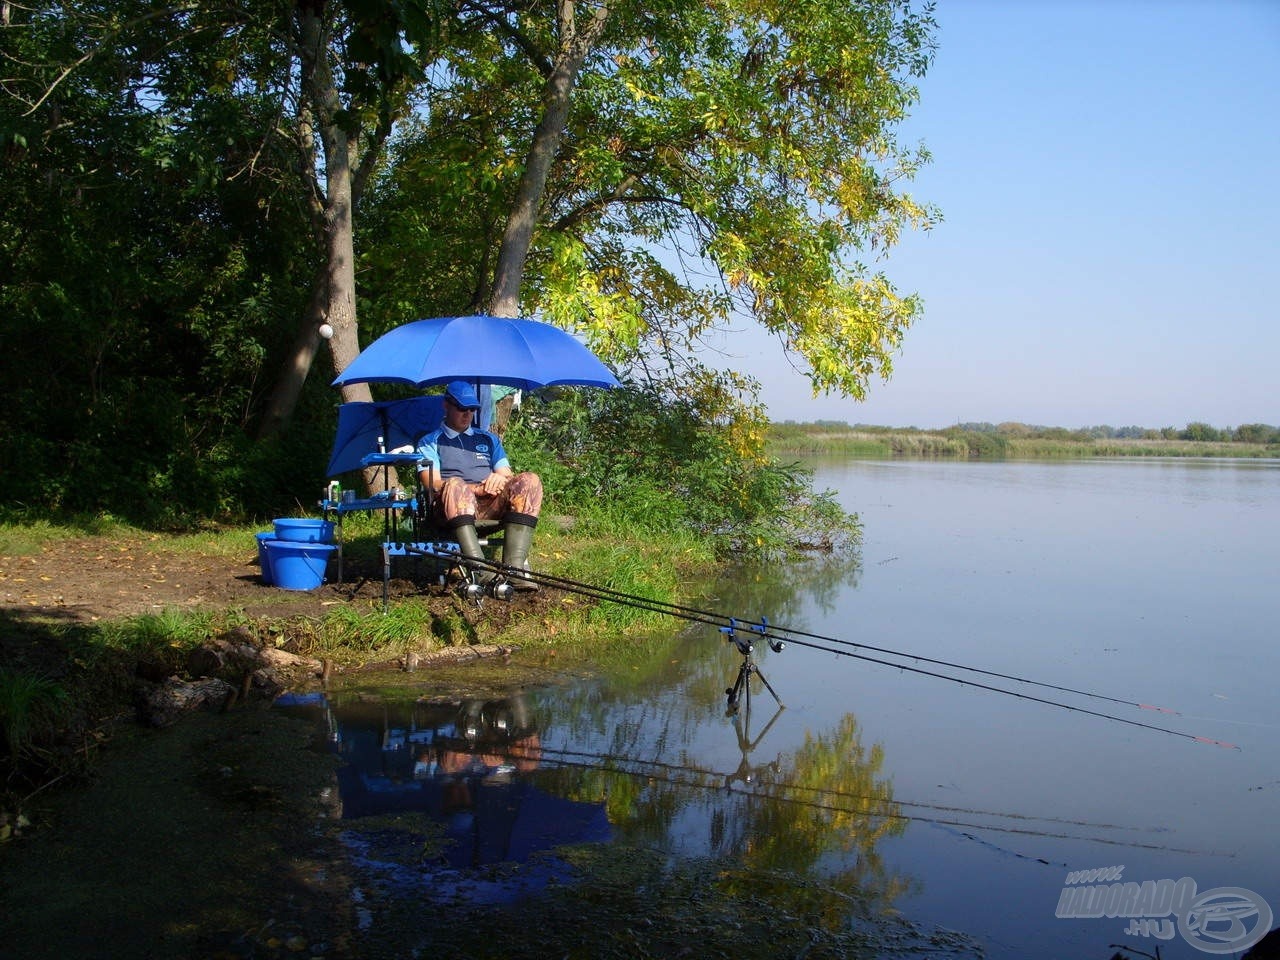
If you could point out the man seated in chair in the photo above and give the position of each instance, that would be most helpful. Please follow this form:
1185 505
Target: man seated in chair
469 470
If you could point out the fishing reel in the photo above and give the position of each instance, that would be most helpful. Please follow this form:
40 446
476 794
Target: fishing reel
498 590
480 580
746 645
478 590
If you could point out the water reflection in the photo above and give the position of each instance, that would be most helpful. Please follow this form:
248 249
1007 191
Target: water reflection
501 780
786 591
465 764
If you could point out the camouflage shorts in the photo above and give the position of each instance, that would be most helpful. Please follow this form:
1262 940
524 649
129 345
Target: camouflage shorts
523 494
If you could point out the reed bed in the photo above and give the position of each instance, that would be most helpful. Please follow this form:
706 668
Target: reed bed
882 442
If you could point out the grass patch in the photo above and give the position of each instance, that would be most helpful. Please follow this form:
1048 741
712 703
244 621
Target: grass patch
654 569
407 624
1036 448
25 539
21 529
789 440
221 543
30 707
154 634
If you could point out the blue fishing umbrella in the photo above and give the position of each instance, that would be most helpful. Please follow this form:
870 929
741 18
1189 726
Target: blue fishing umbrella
513 352
394 423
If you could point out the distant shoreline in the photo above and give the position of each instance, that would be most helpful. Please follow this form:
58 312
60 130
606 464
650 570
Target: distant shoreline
1014 441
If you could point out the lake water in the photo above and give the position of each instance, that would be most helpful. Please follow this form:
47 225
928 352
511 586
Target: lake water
957 808
1146 581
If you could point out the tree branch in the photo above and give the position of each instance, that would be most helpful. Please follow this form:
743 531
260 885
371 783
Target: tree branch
107 39
575 216
541 62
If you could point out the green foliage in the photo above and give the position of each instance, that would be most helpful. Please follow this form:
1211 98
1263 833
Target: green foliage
161 240
1200 431
736 159
980 445
156 267
649 463
1257 433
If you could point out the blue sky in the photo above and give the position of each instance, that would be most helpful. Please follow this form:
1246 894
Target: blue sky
1108 174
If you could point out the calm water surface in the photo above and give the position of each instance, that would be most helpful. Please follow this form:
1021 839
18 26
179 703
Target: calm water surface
1144 581
958 808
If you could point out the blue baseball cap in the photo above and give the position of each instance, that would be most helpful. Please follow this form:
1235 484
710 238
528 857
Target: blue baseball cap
463 394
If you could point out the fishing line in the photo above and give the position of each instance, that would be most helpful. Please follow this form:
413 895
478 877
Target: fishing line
780 635
790 632
989 673
722 620
1014 693
604 761
699 780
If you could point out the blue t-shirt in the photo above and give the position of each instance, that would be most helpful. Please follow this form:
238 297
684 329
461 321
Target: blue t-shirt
472 455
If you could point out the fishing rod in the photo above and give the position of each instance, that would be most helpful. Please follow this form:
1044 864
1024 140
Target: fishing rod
841 802
777 637
989 673
722 620
1020 696
790 633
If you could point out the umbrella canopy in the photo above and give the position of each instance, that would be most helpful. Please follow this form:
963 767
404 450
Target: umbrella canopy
514 352
397 422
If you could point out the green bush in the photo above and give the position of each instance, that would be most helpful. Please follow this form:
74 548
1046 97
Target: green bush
652 461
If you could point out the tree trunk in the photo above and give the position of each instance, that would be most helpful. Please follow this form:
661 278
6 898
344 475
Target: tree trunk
333 299
574 45
283 399
340 247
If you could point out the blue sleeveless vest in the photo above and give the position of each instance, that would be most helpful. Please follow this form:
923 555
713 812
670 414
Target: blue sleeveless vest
469 456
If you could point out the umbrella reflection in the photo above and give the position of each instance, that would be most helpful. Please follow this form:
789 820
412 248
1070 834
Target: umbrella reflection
465 764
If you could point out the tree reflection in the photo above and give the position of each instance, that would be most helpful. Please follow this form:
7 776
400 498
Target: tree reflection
817 811
782 589
824 797
820 807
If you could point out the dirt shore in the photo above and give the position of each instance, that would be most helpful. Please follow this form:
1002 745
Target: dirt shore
211 838
215 837
88 579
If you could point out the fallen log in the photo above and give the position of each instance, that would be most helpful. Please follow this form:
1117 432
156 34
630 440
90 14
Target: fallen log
237 654
414 660
163 704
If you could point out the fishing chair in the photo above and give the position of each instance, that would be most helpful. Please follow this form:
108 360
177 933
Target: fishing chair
428 518
434 543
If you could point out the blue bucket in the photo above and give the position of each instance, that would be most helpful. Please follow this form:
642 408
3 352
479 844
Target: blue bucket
264 558
298 566
304 530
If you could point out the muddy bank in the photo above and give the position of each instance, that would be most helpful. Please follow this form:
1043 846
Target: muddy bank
212 838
